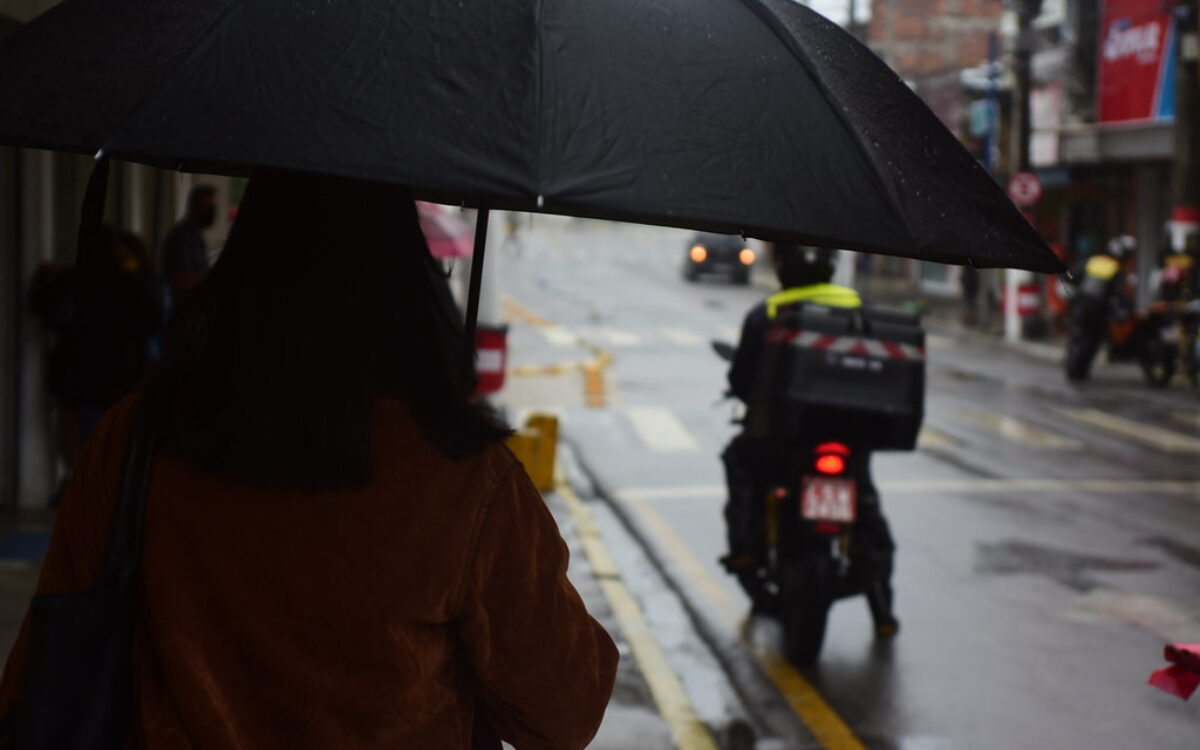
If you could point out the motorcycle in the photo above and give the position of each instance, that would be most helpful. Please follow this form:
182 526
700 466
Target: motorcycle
1160 339
1171 342
818 515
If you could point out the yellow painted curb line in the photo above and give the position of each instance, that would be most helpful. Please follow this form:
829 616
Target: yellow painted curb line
593 369
688 732
805 701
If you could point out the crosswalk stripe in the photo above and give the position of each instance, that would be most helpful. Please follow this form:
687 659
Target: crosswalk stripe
1157 437
558 335
618 337
661 430
682 336
1018 431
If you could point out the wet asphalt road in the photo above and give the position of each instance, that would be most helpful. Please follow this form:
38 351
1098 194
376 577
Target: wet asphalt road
1049 536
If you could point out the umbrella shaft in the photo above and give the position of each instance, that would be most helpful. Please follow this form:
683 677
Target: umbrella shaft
481 227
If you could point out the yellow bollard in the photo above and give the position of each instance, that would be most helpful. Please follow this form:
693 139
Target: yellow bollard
535 446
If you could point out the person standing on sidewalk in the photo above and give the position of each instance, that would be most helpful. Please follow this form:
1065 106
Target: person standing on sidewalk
104 315
339 551
184 251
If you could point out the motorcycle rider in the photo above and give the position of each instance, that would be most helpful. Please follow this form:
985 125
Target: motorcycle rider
1101 294
752 463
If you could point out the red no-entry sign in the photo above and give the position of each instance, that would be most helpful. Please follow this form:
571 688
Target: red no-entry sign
1025 189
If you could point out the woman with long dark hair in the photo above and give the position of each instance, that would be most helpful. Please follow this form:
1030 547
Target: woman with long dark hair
339 552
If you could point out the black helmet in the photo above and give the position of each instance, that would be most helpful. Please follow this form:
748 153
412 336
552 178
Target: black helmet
802 265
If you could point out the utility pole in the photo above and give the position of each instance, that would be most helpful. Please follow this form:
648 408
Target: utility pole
1027 12
1185 180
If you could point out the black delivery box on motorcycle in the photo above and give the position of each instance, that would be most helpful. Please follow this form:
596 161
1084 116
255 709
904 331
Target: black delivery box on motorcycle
858 374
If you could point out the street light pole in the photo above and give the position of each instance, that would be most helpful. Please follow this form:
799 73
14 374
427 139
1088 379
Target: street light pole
1027 11
1185 179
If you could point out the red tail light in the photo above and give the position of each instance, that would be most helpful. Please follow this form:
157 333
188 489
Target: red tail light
831 463
831 457
828 528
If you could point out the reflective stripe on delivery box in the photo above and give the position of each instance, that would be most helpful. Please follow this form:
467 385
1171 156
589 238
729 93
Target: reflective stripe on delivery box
856 345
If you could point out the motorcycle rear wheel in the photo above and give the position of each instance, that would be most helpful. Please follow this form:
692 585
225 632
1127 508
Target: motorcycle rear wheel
805 609
1158 363
804 630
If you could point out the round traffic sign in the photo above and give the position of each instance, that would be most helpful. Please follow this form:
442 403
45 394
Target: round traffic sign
1025 189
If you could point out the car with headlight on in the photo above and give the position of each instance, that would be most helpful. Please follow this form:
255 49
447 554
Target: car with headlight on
723 254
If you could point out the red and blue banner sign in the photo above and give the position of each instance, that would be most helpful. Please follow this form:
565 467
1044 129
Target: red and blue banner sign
1137 61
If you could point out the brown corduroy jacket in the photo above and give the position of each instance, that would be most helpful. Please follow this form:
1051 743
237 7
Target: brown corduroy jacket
428 610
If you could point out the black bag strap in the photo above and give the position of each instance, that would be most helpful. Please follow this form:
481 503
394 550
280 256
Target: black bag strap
125 538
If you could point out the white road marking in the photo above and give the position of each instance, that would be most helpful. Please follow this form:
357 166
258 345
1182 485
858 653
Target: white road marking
558 335
682 337
661 430
1154 436
1018 431
1094 486
617 337
908 486
1151 613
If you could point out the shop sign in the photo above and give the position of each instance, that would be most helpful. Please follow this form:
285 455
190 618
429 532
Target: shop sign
1137 51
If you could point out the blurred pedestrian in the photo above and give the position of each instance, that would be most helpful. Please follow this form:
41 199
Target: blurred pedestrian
339 551
184 251
1101 296
103 315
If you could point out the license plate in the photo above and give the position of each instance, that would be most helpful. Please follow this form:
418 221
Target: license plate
828 499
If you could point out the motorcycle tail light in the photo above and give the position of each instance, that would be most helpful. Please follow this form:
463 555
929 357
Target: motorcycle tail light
827 528
831 463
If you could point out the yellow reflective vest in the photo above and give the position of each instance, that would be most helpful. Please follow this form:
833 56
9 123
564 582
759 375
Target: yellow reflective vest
829 295
1102 267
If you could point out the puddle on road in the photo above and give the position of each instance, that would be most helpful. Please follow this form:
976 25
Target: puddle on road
1069 568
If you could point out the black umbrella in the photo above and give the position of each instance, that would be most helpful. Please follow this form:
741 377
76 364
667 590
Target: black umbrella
753 117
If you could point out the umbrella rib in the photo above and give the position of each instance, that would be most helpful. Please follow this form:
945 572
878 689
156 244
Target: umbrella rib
775 25
539 97
152 90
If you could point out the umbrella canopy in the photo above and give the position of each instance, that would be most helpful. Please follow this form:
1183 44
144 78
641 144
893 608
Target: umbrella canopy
754 117
447 235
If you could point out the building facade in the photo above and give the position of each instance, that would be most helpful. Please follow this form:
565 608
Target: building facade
40 197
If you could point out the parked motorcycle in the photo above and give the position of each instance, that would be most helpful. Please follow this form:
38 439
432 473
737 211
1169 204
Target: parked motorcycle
822 523
1170 342
1161 339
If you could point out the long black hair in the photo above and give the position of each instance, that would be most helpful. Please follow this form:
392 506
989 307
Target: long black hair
325 298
